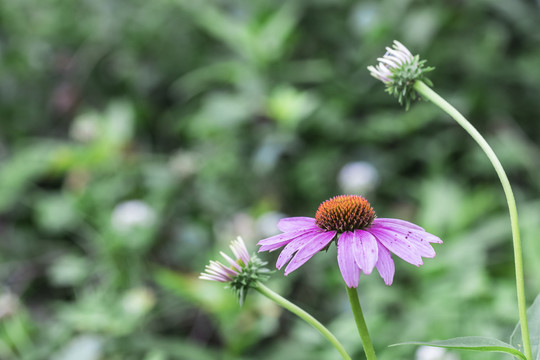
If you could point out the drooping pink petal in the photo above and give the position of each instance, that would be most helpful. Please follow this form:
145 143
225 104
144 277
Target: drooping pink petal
385 265
396 222
273 247
312 247
409 226
393 242
415 237
295 223
277 241
365 250
347 265
431 238
418 239
293 246
390 221
424 248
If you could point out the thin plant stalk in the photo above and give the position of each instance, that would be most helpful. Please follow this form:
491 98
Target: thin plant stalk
361 323
281 301
431 95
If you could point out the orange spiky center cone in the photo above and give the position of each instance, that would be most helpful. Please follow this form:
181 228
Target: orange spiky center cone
344 213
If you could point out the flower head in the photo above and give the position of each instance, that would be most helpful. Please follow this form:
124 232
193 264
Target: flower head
363 241
399 70
241 273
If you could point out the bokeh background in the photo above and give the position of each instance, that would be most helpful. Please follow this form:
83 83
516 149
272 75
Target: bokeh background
138 138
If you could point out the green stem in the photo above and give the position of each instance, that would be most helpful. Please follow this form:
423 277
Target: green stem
281 301
361 324
429 94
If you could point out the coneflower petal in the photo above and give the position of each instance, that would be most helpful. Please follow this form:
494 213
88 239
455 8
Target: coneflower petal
347 265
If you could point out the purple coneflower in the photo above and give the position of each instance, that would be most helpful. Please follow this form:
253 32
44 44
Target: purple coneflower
363 241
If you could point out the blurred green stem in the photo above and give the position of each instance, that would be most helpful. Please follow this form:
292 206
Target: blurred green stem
361 323
281 301
431 95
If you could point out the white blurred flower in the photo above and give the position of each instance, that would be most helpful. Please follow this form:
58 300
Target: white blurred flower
69 270
434 353
82 347
138 301
358 177
131 214
183 164
85 128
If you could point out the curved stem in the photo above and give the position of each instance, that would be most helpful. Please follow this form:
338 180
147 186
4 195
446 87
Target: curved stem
431 95
361 323
281 301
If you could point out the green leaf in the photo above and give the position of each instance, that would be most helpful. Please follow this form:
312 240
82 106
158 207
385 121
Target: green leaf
533 319
476 343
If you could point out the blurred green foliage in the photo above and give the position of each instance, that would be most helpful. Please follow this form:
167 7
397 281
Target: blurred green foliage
138 138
